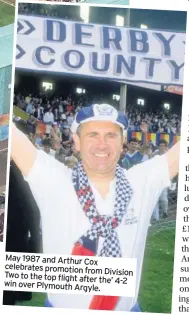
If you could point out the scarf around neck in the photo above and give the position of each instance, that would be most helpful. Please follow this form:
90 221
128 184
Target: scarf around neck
101 225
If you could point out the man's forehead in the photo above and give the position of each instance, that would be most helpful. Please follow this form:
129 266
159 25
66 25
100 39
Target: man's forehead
96 126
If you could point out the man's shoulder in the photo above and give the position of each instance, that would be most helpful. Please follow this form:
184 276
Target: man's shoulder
139 155
146 167
46 163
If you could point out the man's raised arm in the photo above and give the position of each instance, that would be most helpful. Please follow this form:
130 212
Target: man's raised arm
23 151
173 160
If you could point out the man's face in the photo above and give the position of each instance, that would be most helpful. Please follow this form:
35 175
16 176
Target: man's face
162 148
66 131
133 146
100 146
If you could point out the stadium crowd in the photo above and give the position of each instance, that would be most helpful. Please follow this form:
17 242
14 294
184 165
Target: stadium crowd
57 114
62 109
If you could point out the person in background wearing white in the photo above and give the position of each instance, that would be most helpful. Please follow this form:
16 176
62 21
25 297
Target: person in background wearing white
48 120
146 151
70 119
99 209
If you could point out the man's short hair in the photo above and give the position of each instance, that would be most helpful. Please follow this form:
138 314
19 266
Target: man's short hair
133 140
125 146
46 142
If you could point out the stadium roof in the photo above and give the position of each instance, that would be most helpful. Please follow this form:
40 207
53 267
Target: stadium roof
6 44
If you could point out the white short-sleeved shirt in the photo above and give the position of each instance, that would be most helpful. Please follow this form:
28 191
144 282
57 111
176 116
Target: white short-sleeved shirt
51 185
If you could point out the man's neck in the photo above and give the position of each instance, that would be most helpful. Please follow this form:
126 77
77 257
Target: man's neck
132 152
101 181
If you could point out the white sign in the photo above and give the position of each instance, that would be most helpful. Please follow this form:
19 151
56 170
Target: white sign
102 51
70 274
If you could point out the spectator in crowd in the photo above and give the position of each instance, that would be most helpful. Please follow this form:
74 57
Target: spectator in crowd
31 125
55 132
163 147
47 147
39 112
66 137
37 140
146 152
28 99
70 119
29 108
133 155
48 120
69 107
123 162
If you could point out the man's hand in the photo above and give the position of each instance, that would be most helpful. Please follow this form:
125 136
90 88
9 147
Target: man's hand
144 127
56 144
55 136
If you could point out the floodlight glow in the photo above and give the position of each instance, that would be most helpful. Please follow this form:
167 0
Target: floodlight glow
143 26
116 97
84 13
166 106
47 86
140 101
119 20
78 90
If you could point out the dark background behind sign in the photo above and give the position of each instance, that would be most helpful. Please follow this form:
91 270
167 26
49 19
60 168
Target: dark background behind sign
31 82
154 19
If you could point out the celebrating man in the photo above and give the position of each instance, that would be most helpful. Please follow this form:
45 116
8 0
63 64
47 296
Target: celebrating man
97 208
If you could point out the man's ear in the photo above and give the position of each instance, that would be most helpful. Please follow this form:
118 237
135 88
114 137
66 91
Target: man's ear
76 140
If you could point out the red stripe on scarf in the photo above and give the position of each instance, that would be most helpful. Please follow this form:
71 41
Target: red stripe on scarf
98 302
